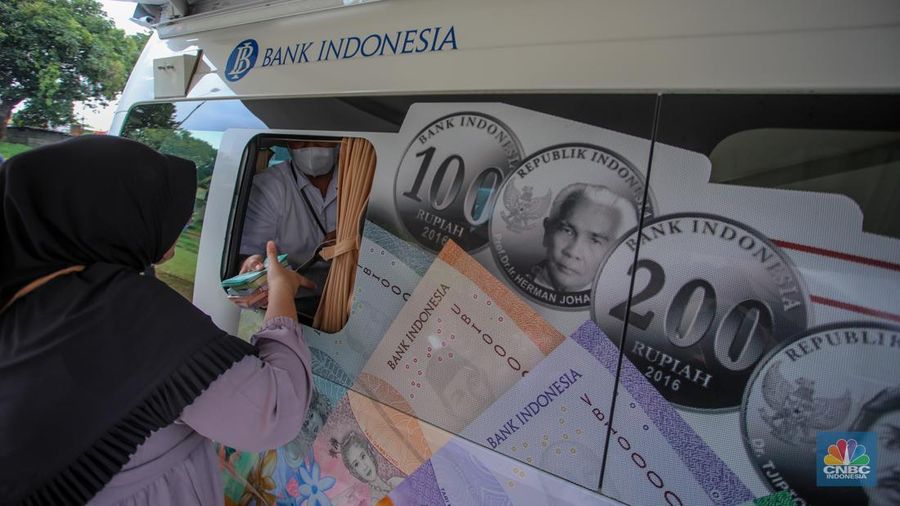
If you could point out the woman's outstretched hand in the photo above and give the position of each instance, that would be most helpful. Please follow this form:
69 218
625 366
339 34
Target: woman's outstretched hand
283 285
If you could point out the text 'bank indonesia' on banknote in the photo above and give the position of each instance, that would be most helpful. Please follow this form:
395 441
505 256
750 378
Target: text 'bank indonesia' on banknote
389 270
557 419
460 342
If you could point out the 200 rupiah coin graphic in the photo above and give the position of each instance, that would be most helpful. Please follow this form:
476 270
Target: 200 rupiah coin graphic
837 377
448 179
711 297
558 215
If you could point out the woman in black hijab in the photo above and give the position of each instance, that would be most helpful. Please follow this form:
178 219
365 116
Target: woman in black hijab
95 357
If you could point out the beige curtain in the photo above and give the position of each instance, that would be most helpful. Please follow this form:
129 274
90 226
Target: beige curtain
356 166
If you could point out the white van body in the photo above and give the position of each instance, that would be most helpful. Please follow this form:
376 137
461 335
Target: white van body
825 54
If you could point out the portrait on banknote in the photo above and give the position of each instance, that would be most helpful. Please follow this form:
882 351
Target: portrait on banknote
359 457
295 450
462 388
344 452
557 216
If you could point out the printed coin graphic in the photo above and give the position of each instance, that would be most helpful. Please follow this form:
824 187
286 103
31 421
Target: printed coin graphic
838 377
711 297
558 215
448 179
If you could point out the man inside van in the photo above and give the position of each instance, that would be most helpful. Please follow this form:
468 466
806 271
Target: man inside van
293 203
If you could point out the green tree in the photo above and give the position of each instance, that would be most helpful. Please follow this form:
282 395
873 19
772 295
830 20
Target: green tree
155 126
56 52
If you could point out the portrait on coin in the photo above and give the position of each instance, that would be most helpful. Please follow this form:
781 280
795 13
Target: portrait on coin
559 215
584 220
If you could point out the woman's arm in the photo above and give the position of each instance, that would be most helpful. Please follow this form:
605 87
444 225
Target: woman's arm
260 402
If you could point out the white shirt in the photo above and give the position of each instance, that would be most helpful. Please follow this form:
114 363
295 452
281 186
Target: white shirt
276 211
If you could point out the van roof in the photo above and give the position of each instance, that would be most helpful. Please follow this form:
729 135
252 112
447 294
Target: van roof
174 17
572 46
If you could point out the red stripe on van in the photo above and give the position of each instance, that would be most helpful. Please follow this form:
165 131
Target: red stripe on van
856 309
839 255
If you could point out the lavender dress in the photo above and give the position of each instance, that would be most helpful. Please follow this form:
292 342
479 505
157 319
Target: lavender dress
257 404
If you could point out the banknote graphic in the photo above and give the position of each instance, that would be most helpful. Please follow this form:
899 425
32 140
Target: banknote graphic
782 498
347 462
343 451
292 455
545 420
460 341
323 365
261 478
655 457
389 270
350 450
404 440
235 468
557 419
465 473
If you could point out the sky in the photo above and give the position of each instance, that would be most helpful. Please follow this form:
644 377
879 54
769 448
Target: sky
119 12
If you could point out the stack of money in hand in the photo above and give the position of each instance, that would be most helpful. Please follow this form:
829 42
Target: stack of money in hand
250 289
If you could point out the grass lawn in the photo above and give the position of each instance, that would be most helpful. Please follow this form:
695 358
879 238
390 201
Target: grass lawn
8 149
179 271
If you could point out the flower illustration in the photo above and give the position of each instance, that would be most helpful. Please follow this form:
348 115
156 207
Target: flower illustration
260 485
311 486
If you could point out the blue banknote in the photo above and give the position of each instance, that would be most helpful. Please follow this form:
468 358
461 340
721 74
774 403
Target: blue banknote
388 271
464 473
557 419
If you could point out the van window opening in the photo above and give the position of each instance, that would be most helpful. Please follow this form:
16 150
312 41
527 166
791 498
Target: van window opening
314 231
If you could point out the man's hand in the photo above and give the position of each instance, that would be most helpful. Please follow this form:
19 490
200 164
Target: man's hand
252 263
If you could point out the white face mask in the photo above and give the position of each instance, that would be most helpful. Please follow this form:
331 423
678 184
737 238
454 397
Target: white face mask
313 161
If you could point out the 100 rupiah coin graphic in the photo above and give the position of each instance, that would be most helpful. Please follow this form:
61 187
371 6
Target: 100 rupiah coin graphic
449 176
711 297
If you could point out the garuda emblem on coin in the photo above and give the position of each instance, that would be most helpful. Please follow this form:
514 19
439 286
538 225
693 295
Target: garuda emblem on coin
797 412
523 207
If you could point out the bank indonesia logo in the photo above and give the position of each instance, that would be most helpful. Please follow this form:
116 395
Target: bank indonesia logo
242 59
846 459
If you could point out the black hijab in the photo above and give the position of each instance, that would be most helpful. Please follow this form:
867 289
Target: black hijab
92 362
